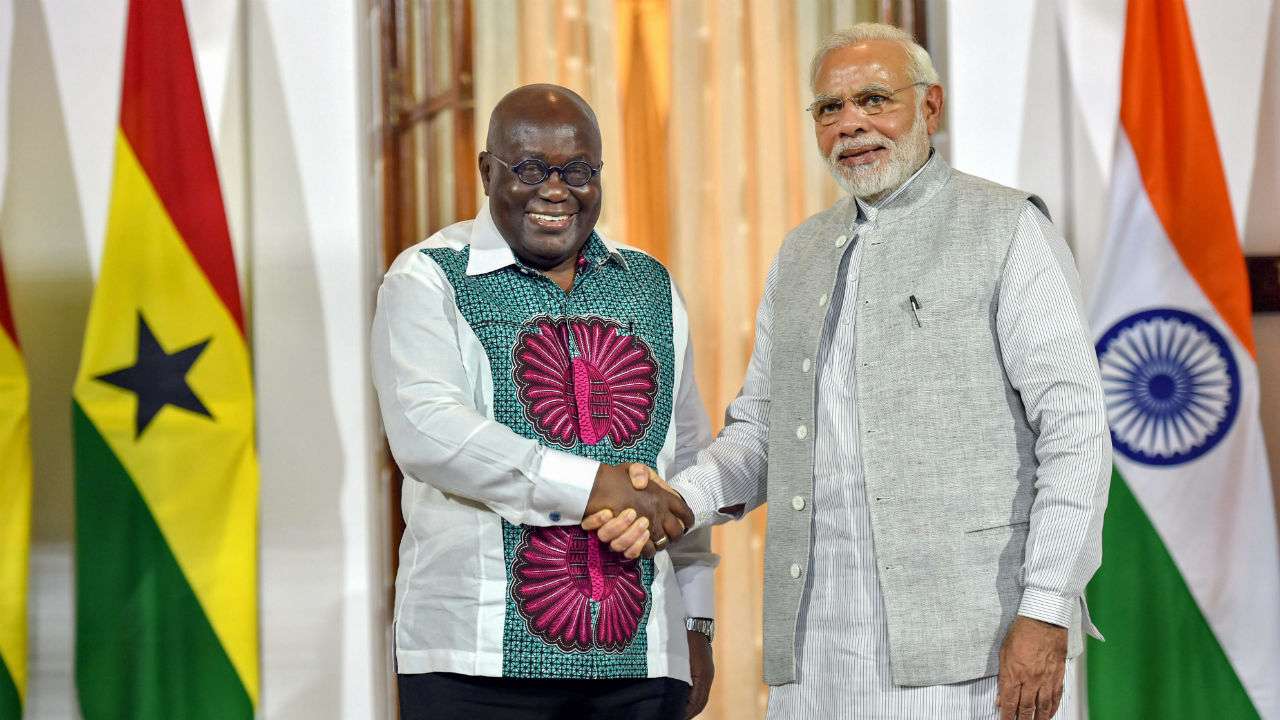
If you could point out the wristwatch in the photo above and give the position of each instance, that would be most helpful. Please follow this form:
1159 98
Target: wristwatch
706 626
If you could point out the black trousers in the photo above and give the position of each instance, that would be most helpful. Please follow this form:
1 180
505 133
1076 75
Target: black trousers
445 696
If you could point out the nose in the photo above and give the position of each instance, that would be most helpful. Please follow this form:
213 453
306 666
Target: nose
850 121
554 188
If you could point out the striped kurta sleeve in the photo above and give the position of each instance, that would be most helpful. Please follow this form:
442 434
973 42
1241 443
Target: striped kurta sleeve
1051 363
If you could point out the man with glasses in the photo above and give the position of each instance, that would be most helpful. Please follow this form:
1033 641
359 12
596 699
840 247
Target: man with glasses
923 414
523 363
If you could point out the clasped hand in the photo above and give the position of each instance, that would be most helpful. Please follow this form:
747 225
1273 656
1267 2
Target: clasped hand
634 510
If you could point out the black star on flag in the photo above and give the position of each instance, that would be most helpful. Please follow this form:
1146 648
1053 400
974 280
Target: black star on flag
158 378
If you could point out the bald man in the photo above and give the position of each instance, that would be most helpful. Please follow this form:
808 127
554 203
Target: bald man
523 362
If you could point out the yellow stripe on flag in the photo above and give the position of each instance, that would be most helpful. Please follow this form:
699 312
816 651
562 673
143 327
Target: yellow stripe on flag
15 511
198 475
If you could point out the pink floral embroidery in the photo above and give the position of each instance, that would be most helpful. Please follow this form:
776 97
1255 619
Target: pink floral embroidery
558 572
606 391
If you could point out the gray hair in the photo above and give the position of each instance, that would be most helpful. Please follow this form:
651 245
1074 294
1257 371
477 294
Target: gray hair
919 65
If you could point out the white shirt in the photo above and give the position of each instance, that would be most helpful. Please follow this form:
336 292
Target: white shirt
465 472
842 635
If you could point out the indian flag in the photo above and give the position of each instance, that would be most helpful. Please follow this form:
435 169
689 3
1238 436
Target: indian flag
1189 590
166 475
15 514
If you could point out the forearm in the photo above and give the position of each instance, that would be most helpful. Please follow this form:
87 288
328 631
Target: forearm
730 473
729 477
437 433
1064 542
462 453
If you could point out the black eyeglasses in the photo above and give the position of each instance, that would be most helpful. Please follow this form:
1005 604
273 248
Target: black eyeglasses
532 171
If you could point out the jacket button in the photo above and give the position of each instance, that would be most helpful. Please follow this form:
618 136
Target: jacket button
822 301
802 432
797 502
804 366
840 241
795 570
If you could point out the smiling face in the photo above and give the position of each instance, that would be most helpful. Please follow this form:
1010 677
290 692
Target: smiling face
870 156
546 224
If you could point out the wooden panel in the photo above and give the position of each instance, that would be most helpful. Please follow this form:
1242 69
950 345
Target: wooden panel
426 94
1264 283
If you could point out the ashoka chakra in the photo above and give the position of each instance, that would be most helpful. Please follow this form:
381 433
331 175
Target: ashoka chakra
1172 386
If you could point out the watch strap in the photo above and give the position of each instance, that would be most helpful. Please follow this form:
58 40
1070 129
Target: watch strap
706 626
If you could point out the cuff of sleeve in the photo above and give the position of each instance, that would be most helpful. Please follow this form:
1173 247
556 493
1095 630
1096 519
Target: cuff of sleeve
561 489
1047 606
697 588
700 503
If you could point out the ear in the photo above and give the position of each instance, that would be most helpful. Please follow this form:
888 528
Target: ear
485 164
933 101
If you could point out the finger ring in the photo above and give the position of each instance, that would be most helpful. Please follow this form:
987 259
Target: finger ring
660 543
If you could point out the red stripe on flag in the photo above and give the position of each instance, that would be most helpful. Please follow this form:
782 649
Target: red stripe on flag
6 312
1165 114
162 115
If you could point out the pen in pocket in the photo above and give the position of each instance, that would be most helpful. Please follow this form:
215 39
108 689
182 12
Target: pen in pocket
915 307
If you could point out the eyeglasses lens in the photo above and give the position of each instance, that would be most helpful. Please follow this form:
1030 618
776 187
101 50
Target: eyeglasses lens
531 172
576 174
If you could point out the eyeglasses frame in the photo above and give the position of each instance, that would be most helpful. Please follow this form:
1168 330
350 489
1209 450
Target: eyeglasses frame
847 100
548 169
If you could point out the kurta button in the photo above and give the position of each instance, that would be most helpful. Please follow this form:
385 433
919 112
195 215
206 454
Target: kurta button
795 570
840 241
822 301
797 502
804 366
802 432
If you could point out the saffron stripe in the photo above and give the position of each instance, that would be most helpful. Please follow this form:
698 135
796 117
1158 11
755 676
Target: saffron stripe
1163 106
162 115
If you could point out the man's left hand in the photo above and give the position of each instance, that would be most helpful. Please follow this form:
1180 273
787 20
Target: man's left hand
1032 665
702 670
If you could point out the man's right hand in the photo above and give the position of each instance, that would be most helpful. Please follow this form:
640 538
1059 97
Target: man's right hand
650 510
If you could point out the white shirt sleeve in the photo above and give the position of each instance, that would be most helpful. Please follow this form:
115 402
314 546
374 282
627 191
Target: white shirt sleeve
1050 361
429 409
691 556
731 472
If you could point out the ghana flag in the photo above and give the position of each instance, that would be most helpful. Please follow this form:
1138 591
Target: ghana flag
166 477
1189 589
15 514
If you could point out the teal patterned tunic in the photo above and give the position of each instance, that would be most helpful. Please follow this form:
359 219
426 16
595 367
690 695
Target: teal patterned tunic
589 372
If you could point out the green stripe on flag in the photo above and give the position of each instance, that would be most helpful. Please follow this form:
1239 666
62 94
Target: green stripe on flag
10 702
1161 659
144 648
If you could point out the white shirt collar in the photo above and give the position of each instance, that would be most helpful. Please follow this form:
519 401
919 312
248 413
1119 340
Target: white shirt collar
490 251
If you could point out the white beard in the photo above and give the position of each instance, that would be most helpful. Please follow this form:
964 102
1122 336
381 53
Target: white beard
873 181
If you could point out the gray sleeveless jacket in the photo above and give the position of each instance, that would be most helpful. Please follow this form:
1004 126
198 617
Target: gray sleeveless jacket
946 444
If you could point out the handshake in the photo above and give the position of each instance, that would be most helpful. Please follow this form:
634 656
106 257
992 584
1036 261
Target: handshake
634 510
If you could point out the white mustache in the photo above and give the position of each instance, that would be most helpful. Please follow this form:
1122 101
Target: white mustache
846 144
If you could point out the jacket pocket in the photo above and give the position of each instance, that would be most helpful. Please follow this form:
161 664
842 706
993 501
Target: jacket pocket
1000 526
